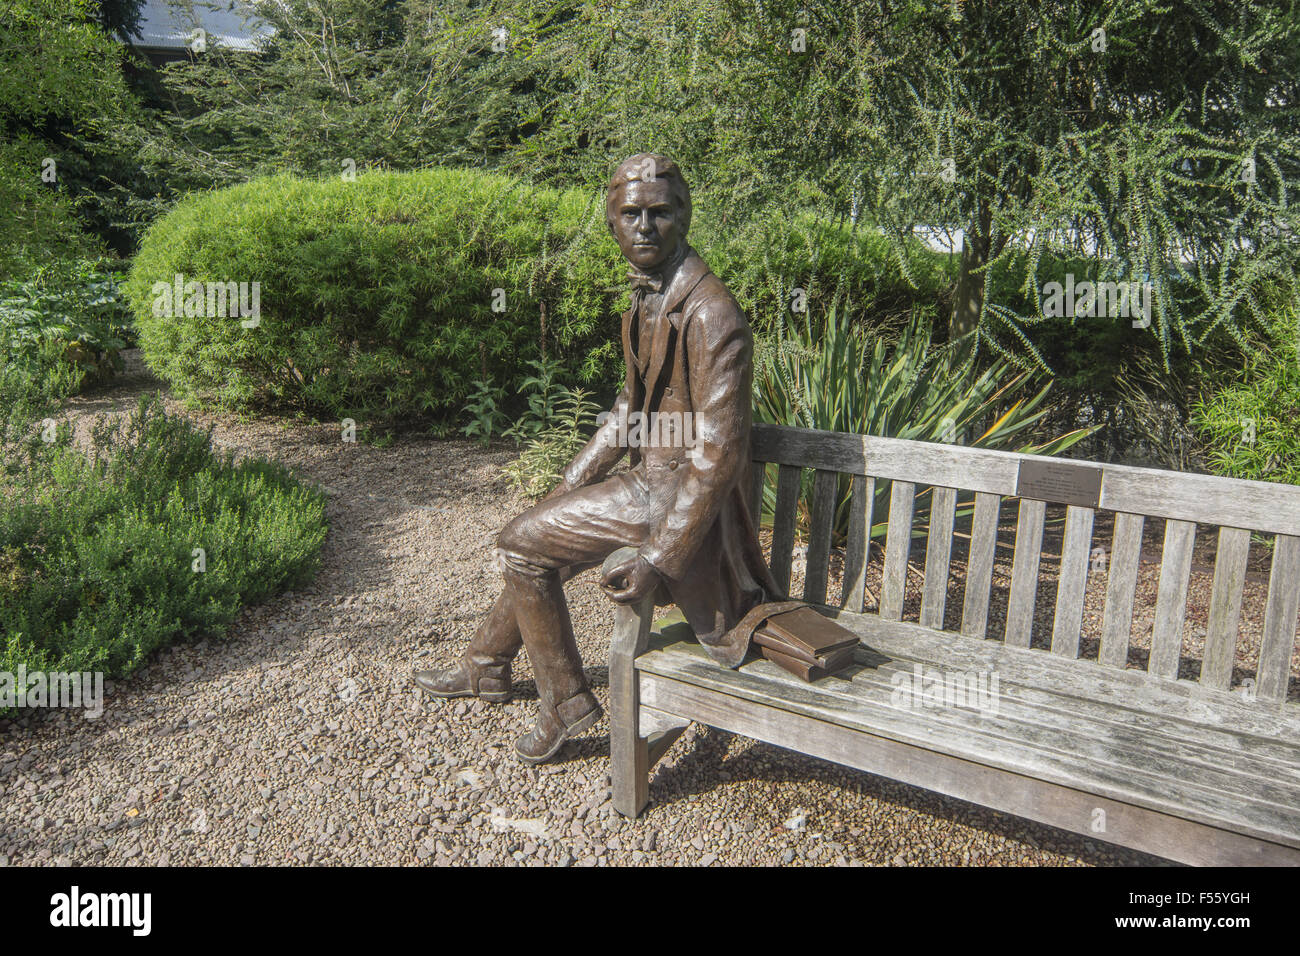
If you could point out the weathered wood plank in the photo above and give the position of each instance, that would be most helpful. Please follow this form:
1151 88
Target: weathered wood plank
825 495
979 566
628 752
1076 549
1278 643
1257 505
1183 708
1234 502
783 522
903 704
1225 608
998 714
1121 586
898 545
1171 599
938 555
895 458
1182 701
858 547
1024 572
959 765
1128 724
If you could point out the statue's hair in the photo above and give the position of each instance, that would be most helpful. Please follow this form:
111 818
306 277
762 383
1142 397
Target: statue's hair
635 167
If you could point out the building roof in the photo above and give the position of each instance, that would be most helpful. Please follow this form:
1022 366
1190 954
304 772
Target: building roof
170 24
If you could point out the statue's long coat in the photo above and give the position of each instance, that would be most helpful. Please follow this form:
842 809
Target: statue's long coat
704 542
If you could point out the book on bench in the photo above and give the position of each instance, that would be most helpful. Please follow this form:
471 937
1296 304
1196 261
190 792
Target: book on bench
811 632
806 643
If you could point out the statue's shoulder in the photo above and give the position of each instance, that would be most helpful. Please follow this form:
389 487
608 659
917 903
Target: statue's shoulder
712 302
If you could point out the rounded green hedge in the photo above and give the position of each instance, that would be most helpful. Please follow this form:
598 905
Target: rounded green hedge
377 296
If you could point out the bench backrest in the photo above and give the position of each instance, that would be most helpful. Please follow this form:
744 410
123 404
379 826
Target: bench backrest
1134 494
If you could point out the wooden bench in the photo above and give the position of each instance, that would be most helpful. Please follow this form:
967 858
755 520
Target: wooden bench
1202 771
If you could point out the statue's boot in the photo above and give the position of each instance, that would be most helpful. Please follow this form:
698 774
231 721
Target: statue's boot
566 705
556 724
484 671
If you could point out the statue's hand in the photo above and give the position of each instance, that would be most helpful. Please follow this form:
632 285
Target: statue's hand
630 581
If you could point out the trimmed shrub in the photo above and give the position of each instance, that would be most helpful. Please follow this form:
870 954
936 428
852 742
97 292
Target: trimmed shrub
379 298
97 553
769 260
376 296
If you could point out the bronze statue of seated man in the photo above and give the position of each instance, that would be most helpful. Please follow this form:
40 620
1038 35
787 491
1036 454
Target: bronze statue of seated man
682 503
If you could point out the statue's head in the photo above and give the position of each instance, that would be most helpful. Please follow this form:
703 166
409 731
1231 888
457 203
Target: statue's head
648 209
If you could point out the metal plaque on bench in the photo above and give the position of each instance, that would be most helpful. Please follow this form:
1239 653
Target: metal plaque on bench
1060 482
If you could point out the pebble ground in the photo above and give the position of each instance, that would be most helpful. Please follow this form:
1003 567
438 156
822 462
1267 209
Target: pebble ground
299 739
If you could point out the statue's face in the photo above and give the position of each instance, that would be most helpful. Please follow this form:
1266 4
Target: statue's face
646 223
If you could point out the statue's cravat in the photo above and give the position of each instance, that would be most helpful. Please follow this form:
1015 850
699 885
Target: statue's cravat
646 281
643 284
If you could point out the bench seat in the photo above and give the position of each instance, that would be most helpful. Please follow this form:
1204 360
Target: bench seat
1189 777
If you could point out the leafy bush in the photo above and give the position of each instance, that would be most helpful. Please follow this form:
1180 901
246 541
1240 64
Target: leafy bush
1248 420
486 418
541 465
379 298
70 311
765 260
60 78
545 397
97 552
837 379
376 296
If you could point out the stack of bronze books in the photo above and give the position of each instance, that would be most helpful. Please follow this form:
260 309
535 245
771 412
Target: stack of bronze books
807 644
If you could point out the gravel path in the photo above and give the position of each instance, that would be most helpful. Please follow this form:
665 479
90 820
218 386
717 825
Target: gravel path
300 739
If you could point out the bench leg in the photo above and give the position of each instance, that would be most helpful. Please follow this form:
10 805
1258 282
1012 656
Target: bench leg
629 752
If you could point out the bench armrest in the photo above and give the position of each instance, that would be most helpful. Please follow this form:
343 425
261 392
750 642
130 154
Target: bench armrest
629 753
631 621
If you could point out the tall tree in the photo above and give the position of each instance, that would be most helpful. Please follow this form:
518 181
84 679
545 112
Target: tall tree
58 70
1151 139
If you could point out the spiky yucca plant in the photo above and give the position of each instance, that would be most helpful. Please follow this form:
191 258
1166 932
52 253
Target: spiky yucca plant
838 378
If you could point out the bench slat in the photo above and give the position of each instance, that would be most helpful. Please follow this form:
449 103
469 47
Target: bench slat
1257 505
1233 734
1121 585
938 555
1278 643
898 545
826 490
1072 582
1024 572
1097 735
979 565
1131 690
1171 599
1129 723
857 549
783 521
1225 608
